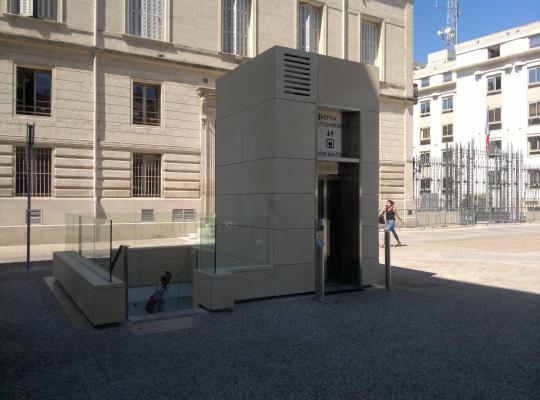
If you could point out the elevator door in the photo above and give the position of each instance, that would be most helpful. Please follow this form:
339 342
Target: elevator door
338 206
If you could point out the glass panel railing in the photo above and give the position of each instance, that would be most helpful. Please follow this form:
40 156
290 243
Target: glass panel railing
164 242
207 245
241 242
71 238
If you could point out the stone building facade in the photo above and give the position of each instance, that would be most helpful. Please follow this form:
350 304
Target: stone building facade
122 96
492 86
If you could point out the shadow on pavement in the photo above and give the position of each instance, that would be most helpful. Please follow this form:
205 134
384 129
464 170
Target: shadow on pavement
430 338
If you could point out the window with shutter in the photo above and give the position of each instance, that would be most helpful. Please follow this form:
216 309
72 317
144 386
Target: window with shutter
146 18
42 9
227 22
242 26
26 8
135 17
370 42
308 27
154 18
235 21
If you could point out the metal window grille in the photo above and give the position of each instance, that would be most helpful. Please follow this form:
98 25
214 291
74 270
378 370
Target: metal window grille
494 84
146 104
235 18
146 18
41 172
370 42
146 175
494 119
33 92
308 28
534 113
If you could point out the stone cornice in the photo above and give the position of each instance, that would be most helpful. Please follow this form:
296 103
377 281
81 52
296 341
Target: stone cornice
105 51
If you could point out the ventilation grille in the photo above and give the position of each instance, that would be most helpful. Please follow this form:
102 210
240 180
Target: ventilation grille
181 215
189 214
177 214
147 215
297 75
35 216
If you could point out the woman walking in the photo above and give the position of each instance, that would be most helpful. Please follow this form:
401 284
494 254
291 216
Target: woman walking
390 214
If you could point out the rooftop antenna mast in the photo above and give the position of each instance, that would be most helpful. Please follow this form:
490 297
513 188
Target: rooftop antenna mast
448 33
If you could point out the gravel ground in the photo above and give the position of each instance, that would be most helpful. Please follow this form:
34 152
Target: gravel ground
461 323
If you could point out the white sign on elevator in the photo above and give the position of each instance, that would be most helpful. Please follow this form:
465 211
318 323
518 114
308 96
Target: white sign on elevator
329 125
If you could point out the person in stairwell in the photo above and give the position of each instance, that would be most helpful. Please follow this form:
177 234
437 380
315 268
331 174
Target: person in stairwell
155 303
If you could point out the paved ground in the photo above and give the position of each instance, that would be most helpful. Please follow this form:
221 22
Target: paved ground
462 323
503 256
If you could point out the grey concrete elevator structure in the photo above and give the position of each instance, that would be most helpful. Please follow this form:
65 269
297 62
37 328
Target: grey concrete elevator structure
297 142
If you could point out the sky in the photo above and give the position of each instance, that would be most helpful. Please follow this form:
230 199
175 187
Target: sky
478 18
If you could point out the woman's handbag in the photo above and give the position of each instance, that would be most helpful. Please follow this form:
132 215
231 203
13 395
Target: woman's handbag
149 307
381 219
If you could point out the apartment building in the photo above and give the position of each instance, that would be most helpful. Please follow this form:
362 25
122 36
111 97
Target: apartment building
122 96
492 87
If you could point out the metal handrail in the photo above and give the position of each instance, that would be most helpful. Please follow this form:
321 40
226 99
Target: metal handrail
112 263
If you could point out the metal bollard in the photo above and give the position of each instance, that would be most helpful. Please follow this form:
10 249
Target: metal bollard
126 278
320 261
387 262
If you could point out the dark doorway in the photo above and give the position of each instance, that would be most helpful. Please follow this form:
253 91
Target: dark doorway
338 205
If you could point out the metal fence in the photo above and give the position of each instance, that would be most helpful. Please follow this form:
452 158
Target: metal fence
472 185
